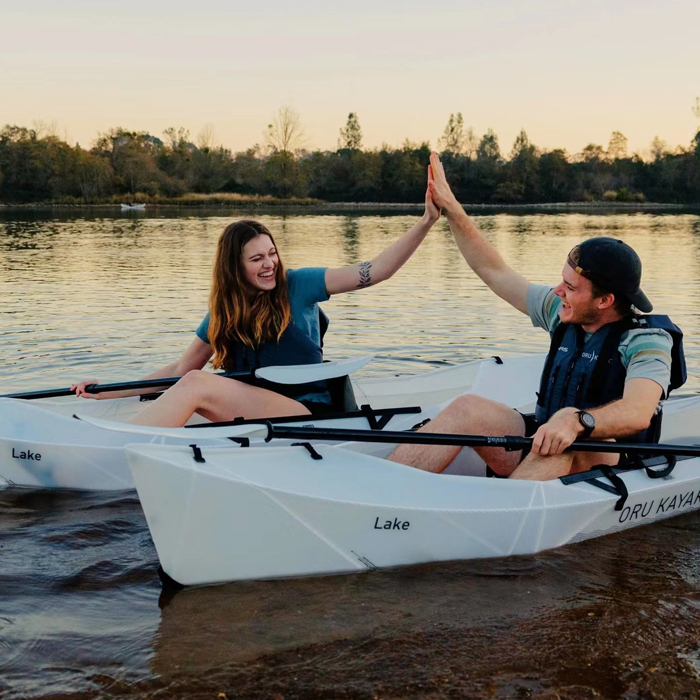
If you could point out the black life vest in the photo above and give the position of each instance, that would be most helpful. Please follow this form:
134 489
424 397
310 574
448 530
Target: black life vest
293 348
589 373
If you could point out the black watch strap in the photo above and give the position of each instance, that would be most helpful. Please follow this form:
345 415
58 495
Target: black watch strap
588 423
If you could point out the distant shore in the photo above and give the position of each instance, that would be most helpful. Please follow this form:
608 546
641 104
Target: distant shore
261 203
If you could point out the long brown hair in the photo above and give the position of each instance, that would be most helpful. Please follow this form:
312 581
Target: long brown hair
239 313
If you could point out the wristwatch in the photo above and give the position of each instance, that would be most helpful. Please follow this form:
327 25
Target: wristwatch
587 421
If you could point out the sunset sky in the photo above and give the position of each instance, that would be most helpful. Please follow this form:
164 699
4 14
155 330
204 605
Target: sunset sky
569 72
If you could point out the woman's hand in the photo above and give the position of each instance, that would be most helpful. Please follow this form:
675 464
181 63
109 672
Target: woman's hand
432 212
439 189
79 389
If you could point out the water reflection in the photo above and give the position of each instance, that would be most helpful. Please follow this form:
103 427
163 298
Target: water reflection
587 615
120 295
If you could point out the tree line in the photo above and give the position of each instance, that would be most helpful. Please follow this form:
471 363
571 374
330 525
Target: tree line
37 166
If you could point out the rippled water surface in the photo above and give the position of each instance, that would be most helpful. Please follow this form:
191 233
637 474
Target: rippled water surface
82 614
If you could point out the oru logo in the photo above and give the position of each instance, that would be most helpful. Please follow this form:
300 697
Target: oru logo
662 505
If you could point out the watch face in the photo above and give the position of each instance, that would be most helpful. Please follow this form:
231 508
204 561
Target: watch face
587 420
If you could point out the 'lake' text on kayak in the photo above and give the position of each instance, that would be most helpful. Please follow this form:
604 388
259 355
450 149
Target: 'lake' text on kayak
26 455
394 524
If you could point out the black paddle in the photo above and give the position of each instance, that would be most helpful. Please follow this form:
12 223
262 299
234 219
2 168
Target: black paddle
118 386
509 442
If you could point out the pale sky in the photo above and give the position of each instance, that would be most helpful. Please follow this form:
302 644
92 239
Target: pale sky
567 71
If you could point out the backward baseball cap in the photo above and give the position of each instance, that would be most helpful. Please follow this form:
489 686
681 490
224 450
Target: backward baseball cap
613 266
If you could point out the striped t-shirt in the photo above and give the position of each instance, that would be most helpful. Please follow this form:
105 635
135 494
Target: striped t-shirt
645 352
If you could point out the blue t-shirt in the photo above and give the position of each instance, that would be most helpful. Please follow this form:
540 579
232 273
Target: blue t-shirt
307 287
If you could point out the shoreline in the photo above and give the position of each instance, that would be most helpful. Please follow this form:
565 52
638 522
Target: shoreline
332 207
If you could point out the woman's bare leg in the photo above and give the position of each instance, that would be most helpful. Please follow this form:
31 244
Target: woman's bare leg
215 398
466 414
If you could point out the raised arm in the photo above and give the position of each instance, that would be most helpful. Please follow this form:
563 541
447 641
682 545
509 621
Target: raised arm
389 261
480 255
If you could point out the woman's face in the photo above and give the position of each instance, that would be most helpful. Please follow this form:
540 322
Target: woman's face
260 263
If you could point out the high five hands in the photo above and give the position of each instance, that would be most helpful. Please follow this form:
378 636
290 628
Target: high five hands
438 188
432 211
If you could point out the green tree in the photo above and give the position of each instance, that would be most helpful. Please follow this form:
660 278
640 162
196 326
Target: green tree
555 181
659 148
522 173
522 148
351 135
617 147
452 139
132 155
488 150
95 176
592 153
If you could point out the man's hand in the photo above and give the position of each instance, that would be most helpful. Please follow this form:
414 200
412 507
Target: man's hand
432 212
557 433
439 189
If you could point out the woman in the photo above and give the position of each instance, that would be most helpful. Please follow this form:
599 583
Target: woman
261 315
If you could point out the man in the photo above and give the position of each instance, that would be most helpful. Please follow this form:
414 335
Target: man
593 302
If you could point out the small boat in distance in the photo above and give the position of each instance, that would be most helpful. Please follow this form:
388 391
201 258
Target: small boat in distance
132 206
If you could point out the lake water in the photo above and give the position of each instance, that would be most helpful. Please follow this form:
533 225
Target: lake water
81 609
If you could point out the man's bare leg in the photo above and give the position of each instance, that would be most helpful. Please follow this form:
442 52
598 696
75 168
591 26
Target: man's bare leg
545 467
467 414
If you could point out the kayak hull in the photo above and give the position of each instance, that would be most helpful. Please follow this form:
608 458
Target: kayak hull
278 512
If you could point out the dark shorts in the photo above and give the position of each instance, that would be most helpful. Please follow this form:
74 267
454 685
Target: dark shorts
317 408
531 426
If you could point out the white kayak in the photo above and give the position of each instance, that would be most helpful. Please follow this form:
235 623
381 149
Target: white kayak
43 446
266 512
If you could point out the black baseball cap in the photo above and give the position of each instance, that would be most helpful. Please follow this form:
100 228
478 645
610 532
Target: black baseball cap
612 265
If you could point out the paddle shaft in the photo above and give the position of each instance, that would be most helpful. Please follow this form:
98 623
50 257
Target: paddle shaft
118 386
509 442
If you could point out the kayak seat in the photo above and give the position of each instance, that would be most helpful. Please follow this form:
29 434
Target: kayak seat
342 394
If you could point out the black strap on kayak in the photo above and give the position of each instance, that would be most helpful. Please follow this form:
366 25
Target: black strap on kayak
242 441
639 463
385 416
310 449
197 454
371 414
617 486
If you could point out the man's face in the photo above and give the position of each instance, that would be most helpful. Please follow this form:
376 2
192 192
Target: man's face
578 303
